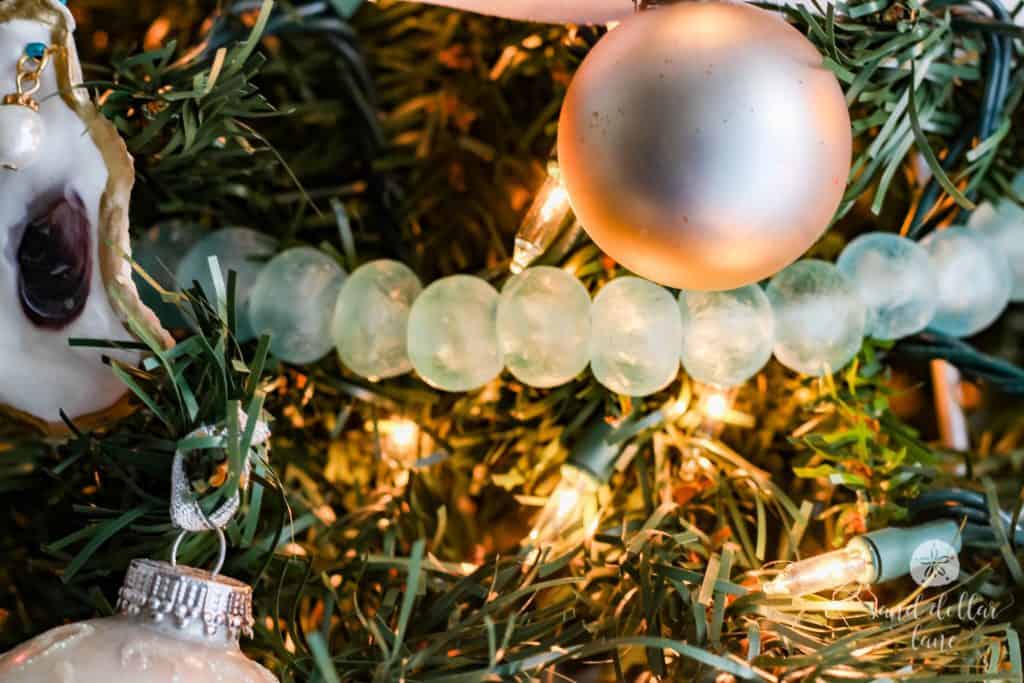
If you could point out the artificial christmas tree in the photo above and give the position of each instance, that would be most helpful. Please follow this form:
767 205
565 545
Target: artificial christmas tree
529 521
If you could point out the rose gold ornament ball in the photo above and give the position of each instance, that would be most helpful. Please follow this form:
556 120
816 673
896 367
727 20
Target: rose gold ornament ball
704 145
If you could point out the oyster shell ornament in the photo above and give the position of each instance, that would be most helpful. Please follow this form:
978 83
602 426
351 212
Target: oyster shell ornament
64 246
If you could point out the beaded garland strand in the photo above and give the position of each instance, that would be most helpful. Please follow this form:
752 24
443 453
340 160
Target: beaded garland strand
459 333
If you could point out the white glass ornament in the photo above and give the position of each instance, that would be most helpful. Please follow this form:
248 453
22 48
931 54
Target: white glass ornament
974 280
453 335
544 326
703 145
158 251
371 319
21 136
175 624
895 280
819 317
1003 224
292 300
636 337
727 336
241 250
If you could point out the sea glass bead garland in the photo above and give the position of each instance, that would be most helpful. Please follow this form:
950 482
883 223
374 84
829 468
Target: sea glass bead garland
460 332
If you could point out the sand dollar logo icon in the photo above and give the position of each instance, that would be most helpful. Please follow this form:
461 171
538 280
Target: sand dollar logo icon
934 563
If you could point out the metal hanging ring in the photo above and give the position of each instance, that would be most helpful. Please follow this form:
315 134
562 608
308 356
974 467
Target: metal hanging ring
222 551
30 70
186 512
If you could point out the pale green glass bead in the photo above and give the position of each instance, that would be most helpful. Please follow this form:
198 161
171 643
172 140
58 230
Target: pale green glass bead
453 334
975 280
636 337
819 317
544 326
159 251
242 250
292 301
727 336
371 319
1003 223
895 280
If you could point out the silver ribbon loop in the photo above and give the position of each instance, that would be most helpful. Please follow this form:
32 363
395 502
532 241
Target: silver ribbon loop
186 513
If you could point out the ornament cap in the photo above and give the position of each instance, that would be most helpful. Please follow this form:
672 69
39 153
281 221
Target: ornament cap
188 601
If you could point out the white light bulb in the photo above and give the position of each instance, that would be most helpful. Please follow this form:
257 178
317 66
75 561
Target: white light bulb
570 514
716 405
852 564
400 440
555 204
403 434
542 224
875 557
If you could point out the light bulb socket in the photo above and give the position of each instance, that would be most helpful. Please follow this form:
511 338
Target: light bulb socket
893 548
598 449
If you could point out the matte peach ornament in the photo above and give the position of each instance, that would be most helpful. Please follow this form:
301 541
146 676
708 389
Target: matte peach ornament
704 145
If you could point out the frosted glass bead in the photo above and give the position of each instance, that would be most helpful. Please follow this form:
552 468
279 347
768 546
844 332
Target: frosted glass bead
453 334
159 251
727 336
819 317
292 301
544 326
895 280
636 337
371 319
1004 225
242 250
974 280
21 136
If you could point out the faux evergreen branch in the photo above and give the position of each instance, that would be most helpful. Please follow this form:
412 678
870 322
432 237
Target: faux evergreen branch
909 91
187 119
430 128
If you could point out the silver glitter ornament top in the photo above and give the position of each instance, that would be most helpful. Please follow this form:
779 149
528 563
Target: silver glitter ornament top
189 601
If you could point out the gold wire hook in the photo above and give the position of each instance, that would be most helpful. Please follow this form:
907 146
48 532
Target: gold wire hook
29 79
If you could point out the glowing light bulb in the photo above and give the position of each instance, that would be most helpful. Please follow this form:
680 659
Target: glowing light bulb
403 434
555 204
542 224
400 440
877 557
715 409
715 406
570 514
852 564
